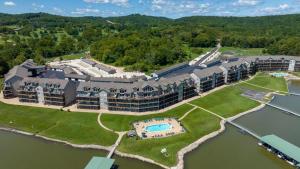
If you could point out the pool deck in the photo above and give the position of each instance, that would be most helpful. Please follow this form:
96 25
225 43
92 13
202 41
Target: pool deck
141 126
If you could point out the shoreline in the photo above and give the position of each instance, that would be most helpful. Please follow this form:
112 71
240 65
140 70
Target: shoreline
180 154
83 146
197 143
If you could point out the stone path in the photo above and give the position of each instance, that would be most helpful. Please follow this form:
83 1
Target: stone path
187 113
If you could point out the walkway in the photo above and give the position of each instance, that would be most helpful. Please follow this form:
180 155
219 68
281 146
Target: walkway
244 129
121 134
114 147
102 125
208 111
229 121
283 109
265 87
187 113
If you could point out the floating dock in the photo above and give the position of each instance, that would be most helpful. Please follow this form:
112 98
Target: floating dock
100 163
282 149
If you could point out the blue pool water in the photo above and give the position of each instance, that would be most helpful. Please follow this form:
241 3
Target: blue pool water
158 127
279 74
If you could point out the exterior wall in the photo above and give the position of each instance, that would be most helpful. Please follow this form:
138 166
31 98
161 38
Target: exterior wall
134 105
42 95
28 96
10 87
273 65
148 99
211 82
88 102
70 93
297 66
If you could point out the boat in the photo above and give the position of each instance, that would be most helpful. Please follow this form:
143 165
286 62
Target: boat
279 155
291 163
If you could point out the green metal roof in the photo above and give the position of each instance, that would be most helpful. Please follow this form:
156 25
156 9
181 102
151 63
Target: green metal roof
283 146
100 163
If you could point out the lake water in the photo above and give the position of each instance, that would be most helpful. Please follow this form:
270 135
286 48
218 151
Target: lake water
230 150
26 152
235 150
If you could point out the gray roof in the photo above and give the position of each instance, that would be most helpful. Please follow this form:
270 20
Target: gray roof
43 81
106 68
61 67
29 64
69 70
201 73
266 57
104 86
172 68
18 71
174 79
90 62
113 79
233 63
77 76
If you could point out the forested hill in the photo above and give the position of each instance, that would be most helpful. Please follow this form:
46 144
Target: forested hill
140 42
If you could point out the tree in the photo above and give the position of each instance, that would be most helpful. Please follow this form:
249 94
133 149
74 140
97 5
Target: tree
38 58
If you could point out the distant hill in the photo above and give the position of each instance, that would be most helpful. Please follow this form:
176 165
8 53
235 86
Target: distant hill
140 42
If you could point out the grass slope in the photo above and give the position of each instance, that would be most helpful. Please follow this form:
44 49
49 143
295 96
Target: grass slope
243 51
1 83
198 124
267 81
226 102
123 122
78 128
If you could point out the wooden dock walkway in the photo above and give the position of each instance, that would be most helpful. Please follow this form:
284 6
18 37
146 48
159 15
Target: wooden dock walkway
283 109
121 134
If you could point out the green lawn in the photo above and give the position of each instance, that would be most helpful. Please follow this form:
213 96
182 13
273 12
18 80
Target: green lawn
124 122
274 83
1 83
198 124
78 128
195 51
243 51
226 102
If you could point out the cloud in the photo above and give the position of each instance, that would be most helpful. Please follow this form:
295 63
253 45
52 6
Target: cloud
57 10
37 6
275 10
115 2
85 11
184 7
246 3
9 3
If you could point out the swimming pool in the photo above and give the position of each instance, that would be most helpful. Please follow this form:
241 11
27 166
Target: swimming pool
158 127
279 74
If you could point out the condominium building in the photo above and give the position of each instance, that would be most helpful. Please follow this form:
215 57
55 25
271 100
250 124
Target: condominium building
47 91
62 86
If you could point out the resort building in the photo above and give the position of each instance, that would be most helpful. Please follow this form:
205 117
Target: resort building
13 78
68 84
46 91
235 70
209 78
139 96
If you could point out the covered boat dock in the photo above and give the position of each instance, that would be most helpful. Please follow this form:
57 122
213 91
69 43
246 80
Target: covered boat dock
283 149
100 163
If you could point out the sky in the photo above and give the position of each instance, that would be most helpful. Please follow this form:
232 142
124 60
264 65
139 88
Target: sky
166 8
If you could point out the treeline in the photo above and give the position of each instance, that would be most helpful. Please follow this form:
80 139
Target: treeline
140 42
